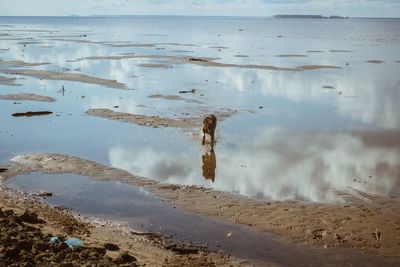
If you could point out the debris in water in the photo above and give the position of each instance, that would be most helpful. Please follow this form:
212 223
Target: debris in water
74 242
197 59
31 113
43 194
188 91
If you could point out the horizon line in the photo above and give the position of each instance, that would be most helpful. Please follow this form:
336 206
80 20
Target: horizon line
176 15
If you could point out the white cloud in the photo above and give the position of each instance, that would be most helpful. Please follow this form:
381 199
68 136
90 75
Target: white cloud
279 164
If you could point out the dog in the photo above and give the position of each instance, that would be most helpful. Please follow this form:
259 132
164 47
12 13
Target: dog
209 125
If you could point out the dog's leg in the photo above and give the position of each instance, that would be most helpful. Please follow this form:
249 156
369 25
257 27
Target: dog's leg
204 138
212 142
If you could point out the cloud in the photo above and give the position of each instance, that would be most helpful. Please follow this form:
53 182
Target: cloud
279 164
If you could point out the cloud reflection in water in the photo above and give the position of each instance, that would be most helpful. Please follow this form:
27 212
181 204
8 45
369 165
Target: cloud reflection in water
280 165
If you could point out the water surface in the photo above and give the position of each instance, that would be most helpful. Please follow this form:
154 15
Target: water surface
297 135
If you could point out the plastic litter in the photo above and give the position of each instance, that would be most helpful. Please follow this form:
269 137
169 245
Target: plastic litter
55 240
74 242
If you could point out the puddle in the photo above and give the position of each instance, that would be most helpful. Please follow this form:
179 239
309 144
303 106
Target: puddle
141 210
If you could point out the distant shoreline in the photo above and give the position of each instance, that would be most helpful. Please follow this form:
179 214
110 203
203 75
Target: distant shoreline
308 17
189 16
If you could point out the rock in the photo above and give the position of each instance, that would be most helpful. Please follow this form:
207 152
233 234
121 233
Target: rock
104 263
111 247
99 250
30 217
124 258
9 212
12 252
25 245
67 264
41 247
43 194
197 59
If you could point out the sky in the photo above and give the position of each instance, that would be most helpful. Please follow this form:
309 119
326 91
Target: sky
351 8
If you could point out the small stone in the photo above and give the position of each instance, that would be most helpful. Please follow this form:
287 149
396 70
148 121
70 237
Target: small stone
67 264
12 252
30 217
25 245
111 247
124 258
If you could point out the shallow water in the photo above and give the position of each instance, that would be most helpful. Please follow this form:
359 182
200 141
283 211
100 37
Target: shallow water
298 135
141 210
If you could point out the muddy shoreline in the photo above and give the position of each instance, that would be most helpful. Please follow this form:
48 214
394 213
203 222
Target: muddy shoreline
316 224
28 224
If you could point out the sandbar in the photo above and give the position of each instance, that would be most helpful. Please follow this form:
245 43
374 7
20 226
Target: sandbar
168 97
317 67
27 97
8 81
20 63
375 61
143 120
77 77
188 123
156 65
291 55
340 51
205 61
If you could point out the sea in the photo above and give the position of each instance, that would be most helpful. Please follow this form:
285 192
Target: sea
323 124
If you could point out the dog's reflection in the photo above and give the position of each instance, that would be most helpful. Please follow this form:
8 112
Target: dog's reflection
209 165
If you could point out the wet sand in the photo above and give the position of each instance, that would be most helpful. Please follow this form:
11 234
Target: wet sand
168 97
156 65
340 51
317 67
291 55
28 225
188 123
8 81
375 61
19 63
143 120
52 75
27 97
369 224
207 62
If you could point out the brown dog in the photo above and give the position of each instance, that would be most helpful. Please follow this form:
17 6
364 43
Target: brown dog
209 125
